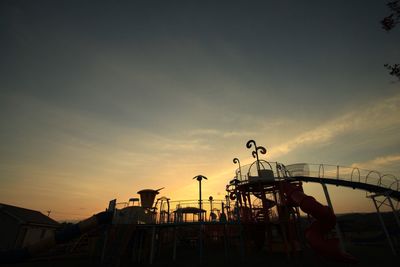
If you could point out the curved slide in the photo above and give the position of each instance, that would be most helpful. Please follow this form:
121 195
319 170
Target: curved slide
68 233
325 220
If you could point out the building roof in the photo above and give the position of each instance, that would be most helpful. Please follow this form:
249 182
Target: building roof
27 216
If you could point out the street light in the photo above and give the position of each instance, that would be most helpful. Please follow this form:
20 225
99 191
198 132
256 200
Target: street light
200 178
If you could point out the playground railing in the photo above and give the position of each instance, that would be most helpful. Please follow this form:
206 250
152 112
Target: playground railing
322 171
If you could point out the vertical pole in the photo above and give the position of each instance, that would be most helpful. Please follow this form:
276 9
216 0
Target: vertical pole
241 242
300 228
283 220
211 208
384 227
337 172
337 228
240 228
174 247
238 204
250 206
168 216
153 235
395 213
200 219
225 243
201 245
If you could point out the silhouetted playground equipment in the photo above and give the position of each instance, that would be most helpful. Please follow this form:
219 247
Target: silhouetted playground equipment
261 211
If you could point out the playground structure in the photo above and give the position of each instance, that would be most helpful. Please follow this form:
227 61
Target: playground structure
260 212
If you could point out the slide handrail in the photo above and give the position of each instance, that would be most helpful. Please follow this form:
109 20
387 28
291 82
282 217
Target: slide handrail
351 175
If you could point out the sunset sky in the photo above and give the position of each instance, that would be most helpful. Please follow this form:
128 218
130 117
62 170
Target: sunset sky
99 100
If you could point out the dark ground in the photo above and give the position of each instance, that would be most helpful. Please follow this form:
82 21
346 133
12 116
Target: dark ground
362 232
377 255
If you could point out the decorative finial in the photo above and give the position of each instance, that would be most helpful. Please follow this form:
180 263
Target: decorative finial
256 150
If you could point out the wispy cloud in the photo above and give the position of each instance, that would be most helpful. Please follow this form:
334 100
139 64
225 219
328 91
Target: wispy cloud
375 117
221 133
174 145
380 163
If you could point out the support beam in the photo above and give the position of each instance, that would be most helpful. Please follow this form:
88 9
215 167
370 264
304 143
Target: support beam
337 228
384 226
395 213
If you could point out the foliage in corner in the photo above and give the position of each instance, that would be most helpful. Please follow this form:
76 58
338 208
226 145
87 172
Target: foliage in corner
388 23
394 69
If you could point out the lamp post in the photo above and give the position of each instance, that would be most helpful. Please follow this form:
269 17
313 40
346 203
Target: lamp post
200 178
255 152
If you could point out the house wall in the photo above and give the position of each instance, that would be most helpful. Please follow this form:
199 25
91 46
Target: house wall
35 234
8 231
